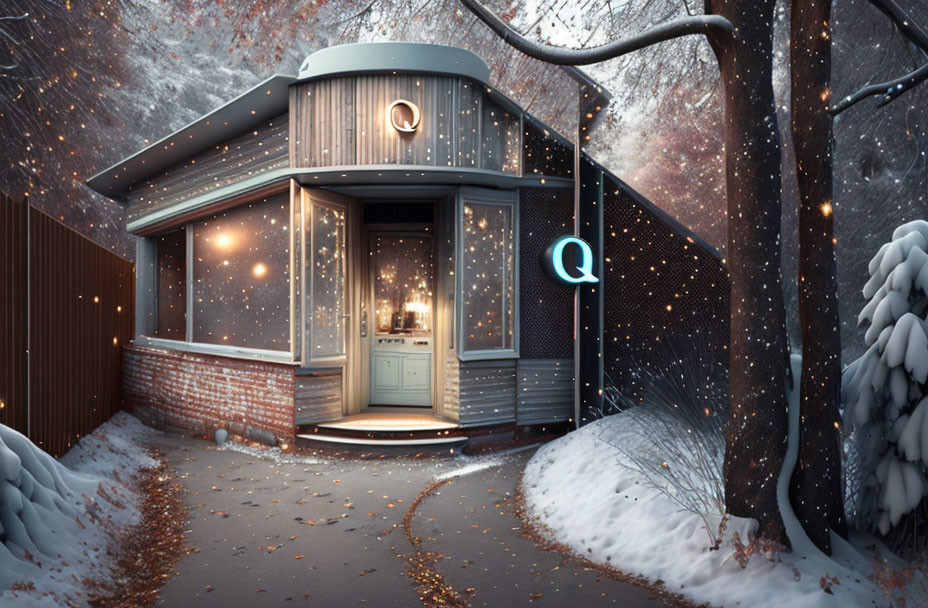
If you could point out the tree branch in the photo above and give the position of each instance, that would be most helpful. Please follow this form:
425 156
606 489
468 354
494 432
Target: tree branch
911 30
704 24
889 90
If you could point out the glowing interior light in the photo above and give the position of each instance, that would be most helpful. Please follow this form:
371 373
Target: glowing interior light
223 240
417 307
259 270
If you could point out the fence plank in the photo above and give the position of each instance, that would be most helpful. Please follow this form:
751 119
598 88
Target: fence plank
60 367
13 311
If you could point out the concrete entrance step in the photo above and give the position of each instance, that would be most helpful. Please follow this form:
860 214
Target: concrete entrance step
390 422
370 441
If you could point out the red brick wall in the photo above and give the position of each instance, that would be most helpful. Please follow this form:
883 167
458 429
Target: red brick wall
204 392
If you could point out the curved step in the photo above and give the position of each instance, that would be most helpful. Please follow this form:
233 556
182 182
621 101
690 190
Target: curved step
381 442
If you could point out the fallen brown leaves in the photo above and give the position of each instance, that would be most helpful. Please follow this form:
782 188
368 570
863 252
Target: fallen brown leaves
149 550
433 590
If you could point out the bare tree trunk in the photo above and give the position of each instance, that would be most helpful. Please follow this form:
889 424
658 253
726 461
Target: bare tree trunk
757 427
815 489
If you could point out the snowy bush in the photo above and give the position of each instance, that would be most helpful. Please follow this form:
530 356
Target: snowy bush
886 390
679 420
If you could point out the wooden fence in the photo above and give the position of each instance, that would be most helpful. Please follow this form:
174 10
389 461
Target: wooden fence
66 309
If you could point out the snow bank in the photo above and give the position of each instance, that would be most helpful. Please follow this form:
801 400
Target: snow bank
587 495
59 520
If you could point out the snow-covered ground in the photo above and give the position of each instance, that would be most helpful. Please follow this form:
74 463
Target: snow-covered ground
583 492
61 520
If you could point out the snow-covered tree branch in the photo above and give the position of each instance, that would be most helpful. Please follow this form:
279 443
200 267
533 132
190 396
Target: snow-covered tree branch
700 24
892 89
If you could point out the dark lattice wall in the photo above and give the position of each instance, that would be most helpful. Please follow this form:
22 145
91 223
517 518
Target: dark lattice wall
543 154
666 294
546 308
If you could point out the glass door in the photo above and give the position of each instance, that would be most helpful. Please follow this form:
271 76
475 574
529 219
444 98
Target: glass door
402 270
325 307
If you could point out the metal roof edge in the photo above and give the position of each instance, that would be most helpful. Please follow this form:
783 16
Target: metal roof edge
265 100
393 57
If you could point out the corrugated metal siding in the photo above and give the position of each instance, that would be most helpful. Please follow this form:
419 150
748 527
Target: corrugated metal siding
13 313
487 392
263 148
343 121
318 398
79 298
545 389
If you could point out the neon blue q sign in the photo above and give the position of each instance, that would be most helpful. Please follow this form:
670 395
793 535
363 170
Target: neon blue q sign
583 263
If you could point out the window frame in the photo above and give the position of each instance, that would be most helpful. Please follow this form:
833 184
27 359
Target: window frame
501 198
308 197
146 316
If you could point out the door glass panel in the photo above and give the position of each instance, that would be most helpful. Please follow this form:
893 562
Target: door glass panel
403 278
326 302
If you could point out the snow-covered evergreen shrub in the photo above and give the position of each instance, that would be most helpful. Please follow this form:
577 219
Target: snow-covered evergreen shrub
886 390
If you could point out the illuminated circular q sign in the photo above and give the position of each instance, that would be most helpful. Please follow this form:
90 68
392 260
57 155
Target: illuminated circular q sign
569 260
403 115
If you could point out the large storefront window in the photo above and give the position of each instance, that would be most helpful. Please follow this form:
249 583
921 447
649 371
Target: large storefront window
487 278
171 318
241 276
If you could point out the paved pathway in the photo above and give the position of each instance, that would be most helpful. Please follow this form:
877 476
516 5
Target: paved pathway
329 533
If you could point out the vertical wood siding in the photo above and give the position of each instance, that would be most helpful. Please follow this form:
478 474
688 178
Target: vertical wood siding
79 298
343 121
261 149
81 314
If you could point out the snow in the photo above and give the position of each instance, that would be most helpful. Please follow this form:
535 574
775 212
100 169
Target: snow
59 520
885 392
583 491
275 453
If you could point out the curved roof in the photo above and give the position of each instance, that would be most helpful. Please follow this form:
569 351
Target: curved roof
394 57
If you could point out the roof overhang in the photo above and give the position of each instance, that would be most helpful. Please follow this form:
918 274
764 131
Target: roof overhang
277 180
264 101
270 98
